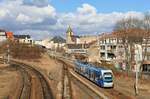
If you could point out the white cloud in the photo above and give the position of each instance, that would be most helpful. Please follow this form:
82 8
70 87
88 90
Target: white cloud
86 9
3 13
34 14
40 20
87 20
23 18
26 12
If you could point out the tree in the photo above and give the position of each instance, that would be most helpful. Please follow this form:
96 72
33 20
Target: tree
146 27
129 32
134 32
22 51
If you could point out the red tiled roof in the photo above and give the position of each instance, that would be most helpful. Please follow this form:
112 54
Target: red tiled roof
9 34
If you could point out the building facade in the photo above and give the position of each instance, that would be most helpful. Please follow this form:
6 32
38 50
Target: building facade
111 49
2 35
26 39
77 44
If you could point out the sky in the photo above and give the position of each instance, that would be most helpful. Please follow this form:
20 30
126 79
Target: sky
46 18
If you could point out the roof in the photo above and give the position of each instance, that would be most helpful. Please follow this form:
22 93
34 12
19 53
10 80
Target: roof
76 36
69 30
81 64
2 30
94 69
107 35
9 34
58 39
22 36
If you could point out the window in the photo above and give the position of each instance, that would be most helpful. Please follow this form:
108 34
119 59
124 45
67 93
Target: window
146 68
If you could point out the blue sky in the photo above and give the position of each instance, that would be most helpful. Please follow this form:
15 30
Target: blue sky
104 6
46 18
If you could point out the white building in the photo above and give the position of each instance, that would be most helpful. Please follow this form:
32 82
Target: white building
52 43
111 50
108 47
23 39
2 36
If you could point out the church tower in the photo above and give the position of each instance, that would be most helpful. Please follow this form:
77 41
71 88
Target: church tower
69 35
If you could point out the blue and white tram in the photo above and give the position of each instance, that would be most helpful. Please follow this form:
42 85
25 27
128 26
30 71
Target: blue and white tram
102 77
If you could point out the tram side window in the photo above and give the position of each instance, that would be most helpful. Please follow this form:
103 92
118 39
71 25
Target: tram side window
97 77
93 75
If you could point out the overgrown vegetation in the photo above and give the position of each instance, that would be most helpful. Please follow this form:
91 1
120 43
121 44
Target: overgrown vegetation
21 51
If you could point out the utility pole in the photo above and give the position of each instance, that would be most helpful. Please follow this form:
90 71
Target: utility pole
98 43
8 52
136 81
99 47
137 66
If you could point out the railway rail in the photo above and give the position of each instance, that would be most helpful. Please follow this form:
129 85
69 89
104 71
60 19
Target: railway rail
91 93
67 91
26 84
103 93
33 84
44 92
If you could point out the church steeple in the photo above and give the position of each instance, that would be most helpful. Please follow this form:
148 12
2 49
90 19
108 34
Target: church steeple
69 31
69 35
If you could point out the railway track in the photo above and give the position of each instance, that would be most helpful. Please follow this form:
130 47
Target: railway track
67 91
25 90
87 93
33 83
90 93
105 93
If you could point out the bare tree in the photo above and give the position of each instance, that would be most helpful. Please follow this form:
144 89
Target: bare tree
22 51
134 33
130 32
146 27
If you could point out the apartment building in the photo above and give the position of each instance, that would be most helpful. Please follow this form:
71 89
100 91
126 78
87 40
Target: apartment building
112 50
108 47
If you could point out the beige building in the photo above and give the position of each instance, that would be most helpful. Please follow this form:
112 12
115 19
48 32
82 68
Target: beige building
93 52
87 38
71 38
77 44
